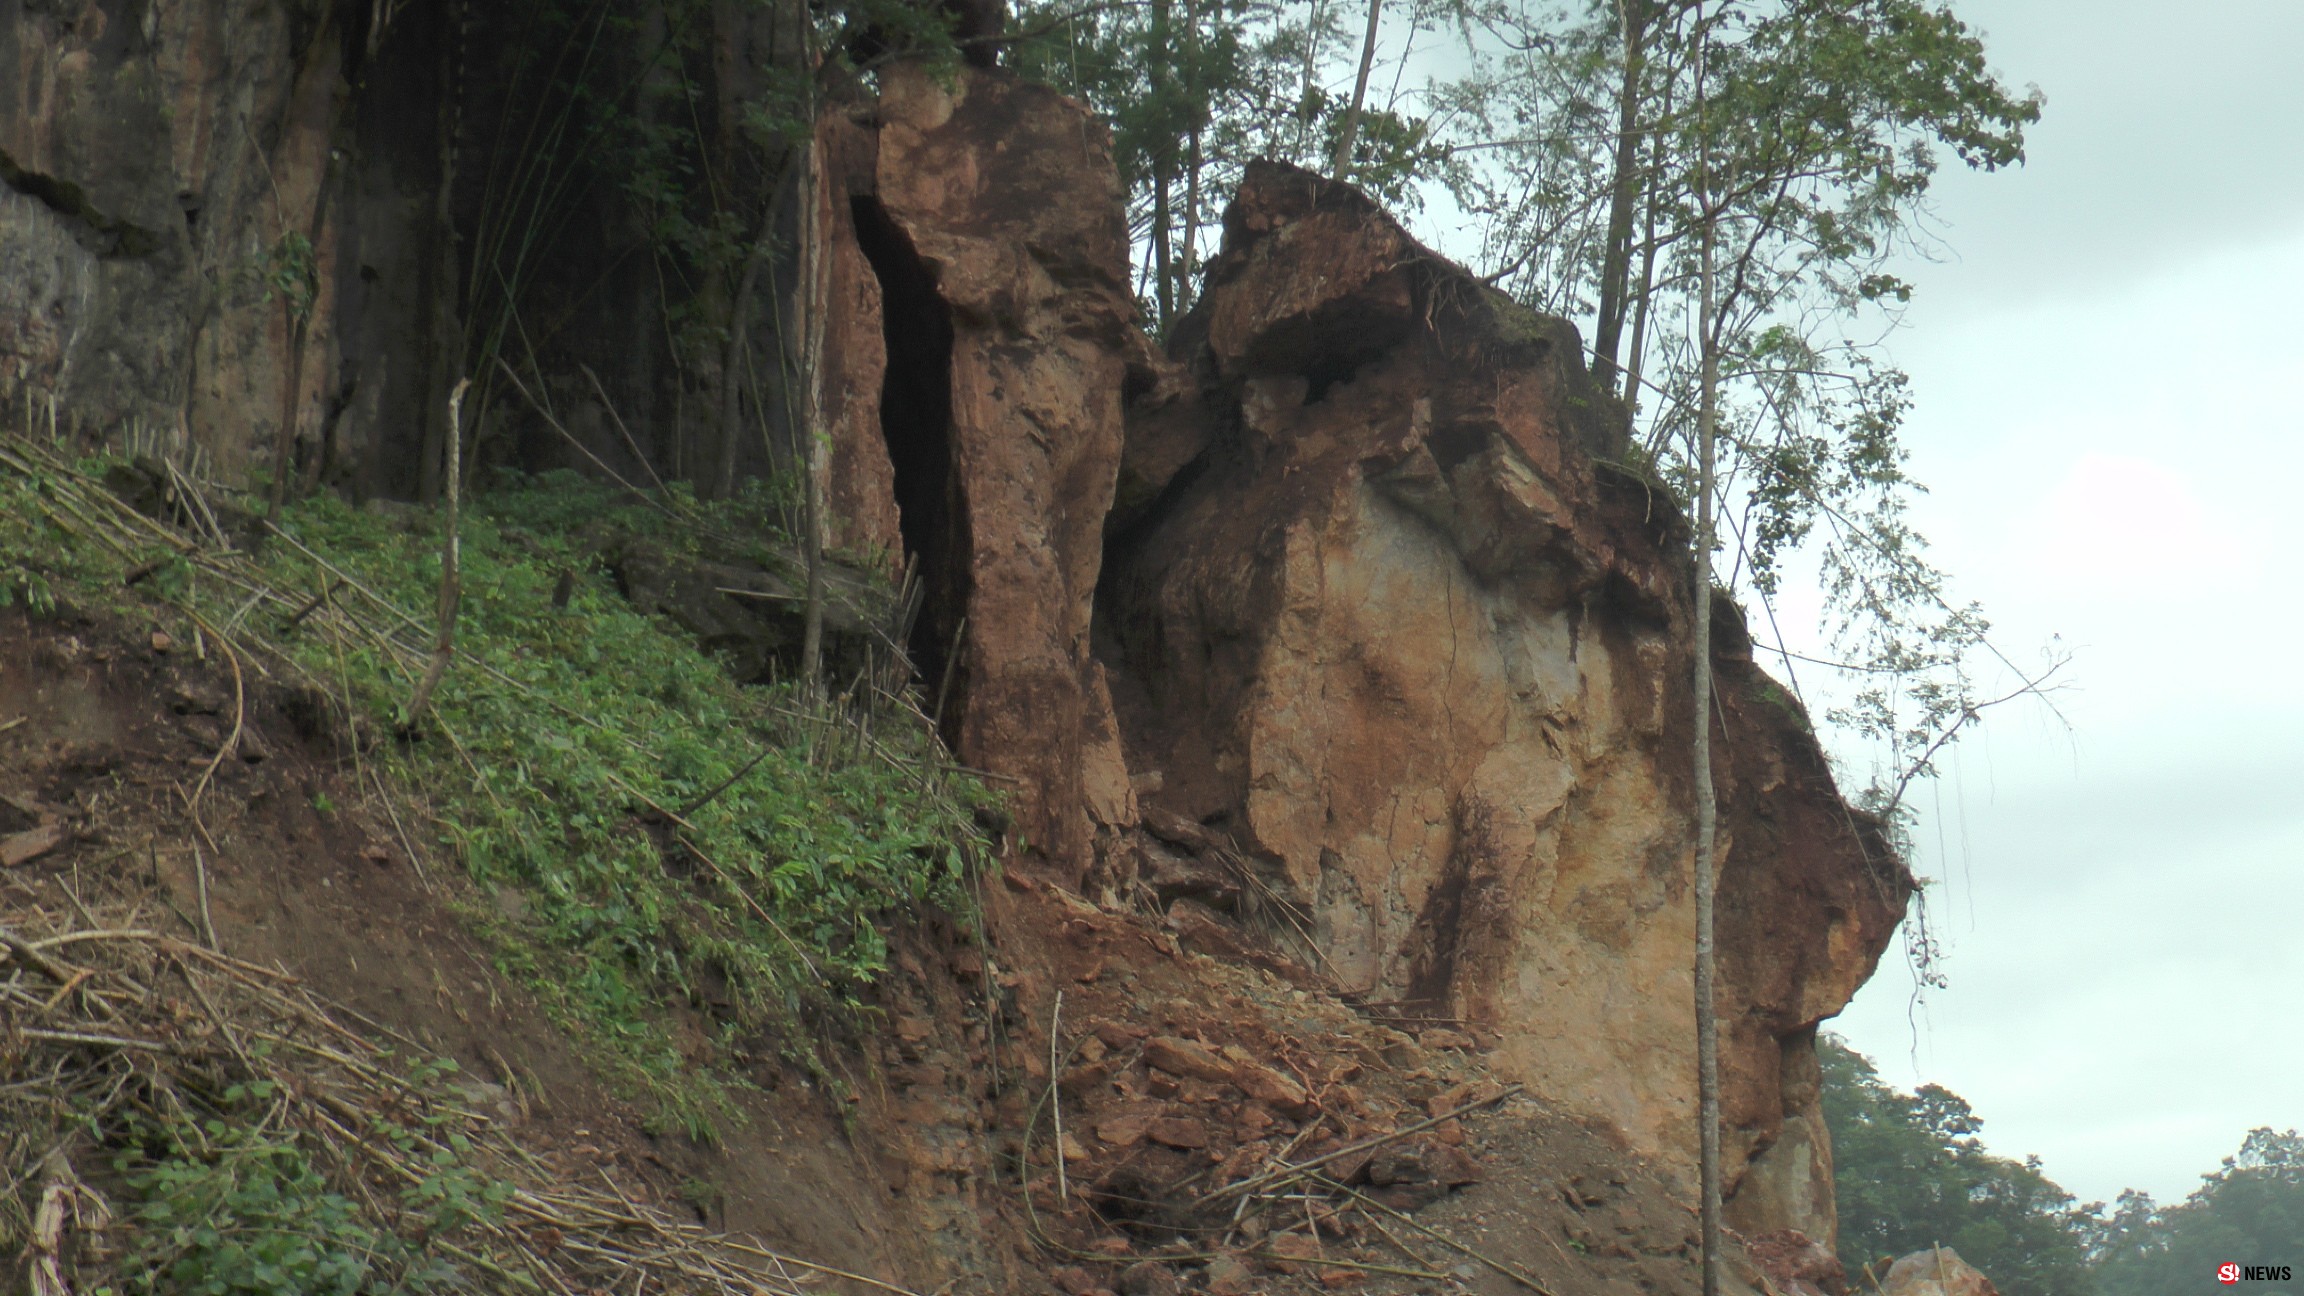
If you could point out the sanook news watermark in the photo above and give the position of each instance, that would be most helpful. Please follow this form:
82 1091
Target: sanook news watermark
2231 1274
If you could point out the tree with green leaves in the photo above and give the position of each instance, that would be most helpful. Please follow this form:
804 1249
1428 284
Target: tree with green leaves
1196 89
2250 1212
1822 124
1910 1171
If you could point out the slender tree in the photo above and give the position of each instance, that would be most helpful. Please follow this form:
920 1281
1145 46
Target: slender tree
1340 162
1625 190
1707 880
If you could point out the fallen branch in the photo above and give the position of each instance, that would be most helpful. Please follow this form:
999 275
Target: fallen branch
1436 1235
30 956
1283 1174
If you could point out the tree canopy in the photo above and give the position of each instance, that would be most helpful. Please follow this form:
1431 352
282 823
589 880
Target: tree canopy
1911 1171
2250 1211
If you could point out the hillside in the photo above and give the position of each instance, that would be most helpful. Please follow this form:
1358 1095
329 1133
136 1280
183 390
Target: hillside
1244 844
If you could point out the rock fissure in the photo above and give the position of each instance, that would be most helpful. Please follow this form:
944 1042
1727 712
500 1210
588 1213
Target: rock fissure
915 414
105 237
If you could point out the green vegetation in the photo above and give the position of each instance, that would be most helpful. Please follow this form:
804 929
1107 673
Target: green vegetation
2251 1211
674 838
1912 1172
190 1124
228 1206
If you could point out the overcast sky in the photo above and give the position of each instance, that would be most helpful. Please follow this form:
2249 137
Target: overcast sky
2110 383
2108 361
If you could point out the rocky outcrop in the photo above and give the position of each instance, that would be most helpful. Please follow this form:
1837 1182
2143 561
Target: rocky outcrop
1400 652
1388 619
980 373
270 235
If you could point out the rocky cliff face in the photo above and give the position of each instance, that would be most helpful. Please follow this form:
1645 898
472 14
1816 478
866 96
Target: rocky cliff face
1339 633
158 164
1398 650
274 233
980 375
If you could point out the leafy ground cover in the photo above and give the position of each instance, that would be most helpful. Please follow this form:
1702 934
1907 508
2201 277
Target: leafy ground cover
641 830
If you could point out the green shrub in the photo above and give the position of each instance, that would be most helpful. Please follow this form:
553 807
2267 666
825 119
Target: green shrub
578 754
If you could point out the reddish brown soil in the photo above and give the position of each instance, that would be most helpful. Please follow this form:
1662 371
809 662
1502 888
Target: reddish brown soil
1179 1071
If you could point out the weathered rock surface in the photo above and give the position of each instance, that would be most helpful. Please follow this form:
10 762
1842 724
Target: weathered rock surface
152 160
1936 1272
1393 625
1003 340
221 219
1398 651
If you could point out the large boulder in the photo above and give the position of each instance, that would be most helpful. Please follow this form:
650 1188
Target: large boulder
1390 616
1938 1271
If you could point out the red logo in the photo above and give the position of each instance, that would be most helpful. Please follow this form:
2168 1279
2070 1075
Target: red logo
2228 1273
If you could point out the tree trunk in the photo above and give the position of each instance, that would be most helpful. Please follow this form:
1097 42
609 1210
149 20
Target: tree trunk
1163 175
1340 164
735 360
447 324
816 449
1707 818
1707 810
1637 353
1192 166
1304 110
1163 295
1624 193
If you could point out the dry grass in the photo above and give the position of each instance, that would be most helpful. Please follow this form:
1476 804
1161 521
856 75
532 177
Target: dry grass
115 1033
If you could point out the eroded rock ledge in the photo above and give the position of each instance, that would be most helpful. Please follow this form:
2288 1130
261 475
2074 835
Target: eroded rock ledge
1340 627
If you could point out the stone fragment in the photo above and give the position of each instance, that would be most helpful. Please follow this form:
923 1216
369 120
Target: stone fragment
1226 1276
1267 1085
1149 1278
1290 1252
1117 1035
1181 1132
1123 1131
1794 1263
29 845
1185 1058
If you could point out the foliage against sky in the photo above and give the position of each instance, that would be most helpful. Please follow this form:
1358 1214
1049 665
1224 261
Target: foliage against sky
1911 1171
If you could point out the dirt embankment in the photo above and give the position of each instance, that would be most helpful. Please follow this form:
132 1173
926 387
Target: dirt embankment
1225 1126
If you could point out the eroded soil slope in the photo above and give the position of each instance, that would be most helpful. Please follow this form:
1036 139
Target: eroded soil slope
1185 1078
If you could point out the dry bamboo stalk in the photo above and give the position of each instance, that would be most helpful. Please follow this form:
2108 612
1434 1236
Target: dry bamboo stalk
451 547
